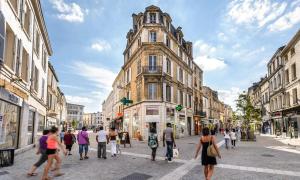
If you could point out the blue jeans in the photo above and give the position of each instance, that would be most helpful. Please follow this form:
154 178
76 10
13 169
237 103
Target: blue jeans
169 154
226 143
83 146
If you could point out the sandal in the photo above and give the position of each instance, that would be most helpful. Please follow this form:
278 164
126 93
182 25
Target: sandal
86 157
46 178
81 158
54 169
32 174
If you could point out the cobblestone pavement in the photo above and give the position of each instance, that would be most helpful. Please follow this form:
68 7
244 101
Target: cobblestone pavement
250 160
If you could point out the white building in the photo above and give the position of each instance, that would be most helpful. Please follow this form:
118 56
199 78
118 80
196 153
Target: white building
23 72
75 115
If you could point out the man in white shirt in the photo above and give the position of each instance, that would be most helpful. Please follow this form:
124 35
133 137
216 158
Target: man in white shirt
102 140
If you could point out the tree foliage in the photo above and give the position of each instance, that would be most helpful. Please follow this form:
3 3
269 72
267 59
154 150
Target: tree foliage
248 112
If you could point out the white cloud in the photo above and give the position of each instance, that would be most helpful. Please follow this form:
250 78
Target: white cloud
201 48
286 21
70 12
208 63
101 76
78 99
101 46
255 12
229 96
222 36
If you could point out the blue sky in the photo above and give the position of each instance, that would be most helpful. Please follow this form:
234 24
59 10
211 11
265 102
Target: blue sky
233 40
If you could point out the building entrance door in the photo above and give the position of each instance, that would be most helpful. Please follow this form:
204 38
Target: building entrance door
152 125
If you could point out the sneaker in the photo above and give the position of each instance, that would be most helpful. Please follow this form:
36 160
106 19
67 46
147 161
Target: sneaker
170 161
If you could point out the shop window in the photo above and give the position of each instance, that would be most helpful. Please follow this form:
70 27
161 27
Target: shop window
9 125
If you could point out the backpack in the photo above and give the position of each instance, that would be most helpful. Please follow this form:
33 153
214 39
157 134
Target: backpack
152 141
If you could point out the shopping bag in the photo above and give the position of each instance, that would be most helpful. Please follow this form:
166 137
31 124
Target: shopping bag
175 153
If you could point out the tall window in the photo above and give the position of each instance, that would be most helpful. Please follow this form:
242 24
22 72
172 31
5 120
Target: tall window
30 129
168 42
36 79
295 98
152 36
168 66
139 42
139 67
287 99
294 75
287 79
37 42
181 97
10 48
27 20
44 59
43 88
128 76
168 93
152 91
189 101
24 69
180 75
138 94
152 63
279 80
152 17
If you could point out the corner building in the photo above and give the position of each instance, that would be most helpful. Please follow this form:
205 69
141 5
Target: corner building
158 76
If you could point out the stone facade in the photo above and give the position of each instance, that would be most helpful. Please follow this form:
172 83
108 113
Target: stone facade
75 115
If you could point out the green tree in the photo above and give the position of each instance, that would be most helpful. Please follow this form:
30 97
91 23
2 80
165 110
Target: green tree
74 124
248 112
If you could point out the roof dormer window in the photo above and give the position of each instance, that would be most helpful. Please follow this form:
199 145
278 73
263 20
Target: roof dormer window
152 17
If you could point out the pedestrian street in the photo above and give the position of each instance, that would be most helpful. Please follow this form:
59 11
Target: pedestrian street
250 160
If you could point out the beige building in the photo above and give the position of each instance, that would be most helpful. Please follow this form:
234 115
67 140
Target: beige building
291 110
265 106
75 115
23 72
53 111
93 120
62 109
276 90
157 75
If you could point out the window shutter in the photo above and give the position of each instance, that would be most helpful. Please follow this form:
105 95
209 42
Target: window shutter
178 96
2 36
184 99
172 74
129 74
148 17
164 64
177 73
32 75
172 94
183 74
19 58
164 92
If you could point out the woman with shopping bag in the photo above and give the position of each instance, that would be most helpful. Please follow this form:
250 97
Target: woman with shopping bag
209 153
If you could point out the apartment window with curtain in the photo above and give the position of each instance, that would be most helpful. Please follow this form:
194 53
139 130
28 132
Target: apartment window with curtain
294 75
152 91
152 36
295 98
287 79
168 66
168 93
152 17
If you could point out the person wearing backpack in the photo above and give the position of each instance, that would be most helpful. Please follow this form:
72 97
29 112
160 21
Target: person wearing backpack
153 142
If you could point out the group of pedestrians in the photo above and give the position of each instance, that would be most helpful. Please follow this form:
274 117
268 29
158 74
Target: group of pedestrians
230 135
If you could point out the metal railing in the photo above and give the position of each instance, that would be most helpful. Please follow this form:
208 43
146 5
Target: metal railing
152 69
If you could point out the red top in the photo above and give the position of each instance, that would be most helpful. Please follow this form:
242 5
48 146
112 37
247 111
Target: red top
68 139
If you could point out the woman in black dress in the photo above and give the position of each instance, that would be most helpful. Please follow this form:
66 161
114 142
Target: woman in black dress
207 161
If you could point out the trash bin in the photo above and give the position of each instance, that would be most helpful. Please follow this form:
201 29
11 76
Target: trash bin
7 157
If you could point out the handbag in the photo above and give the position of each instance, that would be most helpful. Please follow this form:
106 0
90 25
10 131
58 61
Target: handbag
211 150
